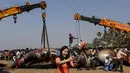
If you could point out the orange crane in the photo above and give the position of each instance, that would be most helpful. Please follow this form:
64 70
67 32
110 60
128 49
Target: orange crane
47 54
103 22
106 23
13 11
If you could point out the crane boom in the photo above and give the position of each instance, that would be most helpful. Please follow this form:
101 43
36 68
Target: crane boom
12 11
103 22
107 23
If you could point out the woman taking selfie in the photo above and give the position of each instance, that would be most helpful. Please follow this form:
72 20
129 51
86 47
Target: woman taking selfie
64 61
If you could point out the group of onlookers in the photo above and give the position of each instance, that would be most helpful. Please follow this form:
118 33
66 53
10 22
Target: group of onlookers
117 59
88 57
13 54
65 59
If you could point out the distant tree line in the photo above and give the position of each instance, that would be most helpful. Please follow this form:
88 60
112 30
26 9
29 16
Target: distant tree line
112 38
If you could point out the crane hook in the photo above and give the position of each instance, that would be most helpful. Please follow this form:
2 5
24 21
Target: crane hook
15 18
28 5
44 15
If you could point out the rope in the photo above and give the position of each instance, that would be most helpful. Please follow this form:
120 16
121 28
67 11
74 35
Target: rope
77 31
43 37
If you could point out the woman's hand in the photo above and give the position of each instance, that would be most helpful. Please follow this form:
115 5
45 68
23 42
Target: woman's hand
73 61
70 58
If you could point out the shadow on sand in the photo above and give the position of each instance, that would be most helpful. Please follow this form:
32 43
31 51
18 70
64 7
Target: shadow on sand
3 69
41 66
126 64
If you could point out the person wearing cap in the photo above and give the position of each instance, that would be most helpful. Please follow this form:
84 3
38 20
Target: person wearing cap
83 54
82 46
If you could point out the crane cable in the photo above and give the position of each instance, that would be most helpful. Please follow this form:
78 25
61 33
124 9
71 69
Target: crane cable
44 36
78 31
44 32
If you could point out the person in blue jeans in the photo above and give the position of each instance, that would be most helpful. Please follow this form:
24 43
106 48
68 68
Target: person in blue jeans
108 65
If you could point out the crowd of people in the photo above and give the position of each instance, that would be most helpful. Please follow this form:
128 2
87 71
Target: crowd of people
84 57
87 58
13 54
90 54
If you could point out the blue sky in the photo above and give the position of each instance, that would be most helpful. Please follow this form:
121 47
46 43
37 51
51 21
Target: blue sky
60 22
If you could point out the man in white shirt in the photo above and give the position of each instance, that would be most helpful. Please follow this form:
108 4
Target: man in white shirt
119 57
108 65
17 54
